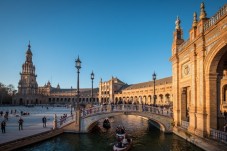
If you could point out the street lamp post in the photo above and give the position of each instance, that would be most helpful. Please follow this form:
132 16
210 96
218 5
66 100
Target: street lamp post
154 78
78 66
92 78
72 104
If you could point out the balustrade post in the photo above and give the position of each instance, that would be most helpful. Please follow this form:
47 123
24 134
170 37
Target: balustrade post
140 108
55 122
78 115
109 108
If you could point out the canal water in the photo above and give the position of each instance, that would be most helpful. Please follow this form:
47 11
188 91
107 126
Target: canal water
145 137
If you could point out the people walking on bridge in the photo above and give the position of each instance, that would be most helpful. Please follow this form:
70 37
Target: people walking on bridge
3 126
44 121
20 121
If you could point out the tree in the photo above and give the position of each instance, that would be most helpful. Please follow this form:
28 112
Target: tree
6 93
11 89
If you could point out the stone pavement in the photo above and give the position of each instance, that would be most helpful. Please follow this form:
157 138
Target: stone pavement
32 123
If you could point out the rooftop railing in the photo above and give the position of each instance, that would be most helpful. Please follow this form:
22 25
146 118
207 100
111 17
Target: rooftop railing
215 18
208 24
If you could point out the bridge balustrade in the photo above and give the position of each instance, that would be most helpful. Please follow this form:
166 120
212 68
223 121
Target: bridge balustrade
158 110
94 110
126 107
218 135
64 121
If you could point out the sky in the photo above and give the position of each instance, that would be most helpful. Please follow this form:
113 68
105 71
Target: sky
127 39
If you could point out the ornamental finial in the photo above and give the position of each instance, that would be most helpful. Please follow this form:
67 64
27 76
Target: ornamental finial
29 46
194 24
178 23
203 14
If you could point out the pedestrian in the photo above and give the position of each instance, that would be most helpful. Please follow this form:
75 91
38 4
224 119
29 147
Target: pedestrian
225 127
3 126
44 121
6 116
20 121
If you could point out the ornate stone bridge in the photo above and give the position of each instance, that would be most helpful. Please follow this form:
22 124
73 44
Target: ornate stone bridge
85 119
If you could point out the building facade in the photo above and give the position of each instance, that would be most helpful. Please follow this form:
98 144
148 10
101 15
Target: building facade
143 93
117 92
199 68
111 91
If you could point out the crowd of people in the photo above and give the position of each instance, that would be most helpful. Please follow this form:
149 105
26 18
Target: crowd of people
63 119
21 116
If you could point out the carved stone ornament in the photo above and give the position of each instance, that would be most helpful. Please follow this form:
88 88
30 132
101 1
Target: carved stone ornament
186 69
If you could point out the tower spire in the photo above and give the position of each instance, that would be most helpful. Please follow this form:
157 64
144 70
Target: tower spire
203 13
194 24
29 46
177 23
29 49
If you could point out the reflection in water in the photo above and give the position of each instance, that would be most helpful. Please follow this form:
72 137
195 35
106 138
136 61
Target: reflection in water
145 137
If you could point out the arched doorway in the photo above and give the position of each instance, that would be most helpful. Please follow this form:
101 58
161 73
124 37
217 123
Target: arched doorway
216 69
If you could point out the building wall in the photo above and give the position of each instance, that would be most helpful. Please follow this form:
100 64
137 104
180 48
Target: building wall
143 93
198 65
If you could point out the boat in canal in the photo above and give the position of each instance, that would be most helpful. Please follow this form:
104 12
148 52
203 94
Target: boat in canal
106 123
120 132
123 145
123 142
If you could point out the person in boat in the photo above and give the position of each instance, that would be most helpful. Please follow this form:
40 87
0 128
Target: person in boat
119 144
118 130
106 120
125 141
122 130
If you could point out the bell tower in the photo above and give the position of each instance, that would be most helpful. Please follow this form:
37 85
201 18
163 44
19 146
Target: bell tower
27 84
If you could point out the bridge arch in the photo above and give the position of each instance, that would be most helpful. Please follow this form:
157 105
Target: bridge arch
87 123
